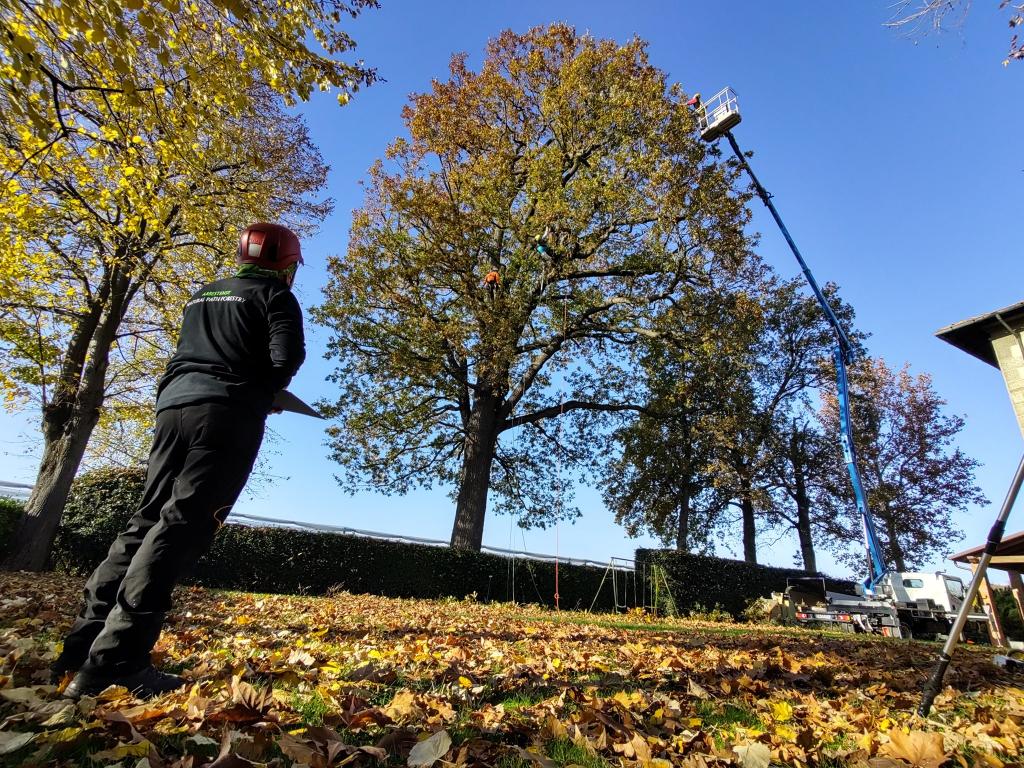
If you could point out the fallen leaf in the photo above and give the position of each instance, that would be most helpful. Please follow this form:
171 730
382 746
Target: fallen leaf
697 690
429 751
26 697
12 742
139 749
782 711
756 755
534 756
919 748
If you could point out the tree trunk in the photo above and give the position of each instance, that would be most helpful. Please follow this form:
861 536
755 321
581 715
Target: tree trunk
749 521
895 550
803 505
683 535
63 448
477 457
68 422
746 497
803 530
749 530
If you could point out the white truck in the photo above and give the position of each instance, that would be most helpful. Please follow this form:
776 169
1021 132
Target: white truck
908 604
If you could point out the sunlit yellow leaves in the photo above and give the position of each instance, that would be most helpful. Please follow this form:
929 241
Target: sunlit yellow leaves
121 751
782 711
121 185
122 47
785 732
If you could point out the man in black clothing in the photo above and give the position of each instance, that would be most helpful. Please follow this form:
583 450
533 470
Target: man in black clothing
241 342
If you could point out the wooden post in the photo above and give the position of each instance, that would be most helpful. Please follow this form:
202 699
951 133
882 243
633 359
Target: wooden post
1017 588
995 626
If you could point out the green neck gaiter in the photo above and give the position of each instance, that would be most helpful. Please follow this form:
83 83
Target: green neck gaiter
251 270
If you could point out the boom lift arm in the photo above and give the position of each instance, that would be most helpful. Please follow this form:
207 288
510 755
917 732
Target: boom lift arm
717 117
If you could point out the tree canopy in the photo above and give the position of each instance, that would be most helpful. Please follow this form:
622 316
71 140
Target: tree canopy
665 474
920 16
450 326
914 476
143 136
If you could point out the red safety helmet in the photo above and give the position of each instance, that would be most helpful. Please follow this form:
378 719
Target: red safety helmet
269 246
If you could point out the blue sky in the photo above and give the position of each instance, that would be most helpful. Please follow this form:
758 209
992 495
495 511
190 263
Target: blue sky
896 165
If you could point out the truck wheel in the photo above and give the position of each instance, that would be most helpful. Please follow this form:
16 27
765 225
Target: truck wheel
905 631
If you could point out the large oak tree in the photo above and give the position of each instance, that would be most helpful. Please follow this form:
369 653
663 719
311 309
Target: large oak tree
451 328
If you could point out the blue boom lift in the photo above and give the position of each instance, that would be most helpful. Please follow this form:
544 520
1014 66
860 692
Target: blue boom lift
891 603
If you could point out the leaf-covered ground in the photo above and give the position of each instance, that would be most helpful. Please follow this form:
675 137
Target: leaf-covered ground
361 680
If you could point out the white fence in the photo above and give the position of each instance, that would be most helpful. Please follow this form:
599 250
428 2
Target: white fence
15 490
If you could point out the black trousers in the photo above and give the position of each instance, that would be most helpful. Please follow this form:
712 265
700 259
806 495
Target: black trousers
201 458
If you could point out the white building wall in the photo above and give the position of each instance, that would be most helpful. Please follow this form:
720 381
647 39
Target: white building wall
1008 352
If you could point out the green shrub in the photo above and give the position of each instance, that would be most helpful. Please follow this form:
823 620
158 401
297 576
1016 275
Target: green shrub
10 512
99 507
1008 613
761 610
701 613
697 580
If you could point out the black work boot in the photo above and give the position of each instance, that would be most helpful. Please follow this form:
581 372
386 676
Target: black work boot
70 662
147 682
59 670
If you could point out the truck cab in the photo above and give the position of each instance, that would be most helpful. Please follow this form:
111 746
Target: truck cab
927 602
936 591
903 604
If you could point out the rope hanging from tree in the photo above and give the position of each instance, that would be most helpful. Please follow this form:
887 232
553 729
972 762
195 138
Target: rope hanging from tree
558 453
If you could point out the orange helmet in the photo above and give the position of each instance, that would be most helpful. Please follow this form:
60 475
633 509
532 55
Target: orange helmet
269 246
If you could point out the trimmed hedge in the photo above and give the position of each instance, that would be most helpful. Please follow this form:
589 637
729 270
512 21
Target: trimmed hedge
99 507
732 584
10 512
284 560
301 562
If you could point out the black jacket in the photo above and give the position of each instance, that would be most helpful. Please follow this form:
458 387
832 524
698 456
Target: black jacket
241 342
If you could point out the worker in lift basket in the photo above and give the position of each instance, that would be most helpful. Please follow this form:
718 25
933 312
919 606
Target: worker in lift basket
241 342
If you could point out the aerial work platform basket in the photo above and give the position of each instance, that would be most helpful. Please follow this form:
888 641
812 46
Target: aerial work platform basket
718 114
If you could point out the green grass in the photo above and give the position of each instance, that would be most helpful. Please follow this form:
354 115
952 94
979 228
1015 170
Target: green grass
727 715
564 752
362 738
311 708
740 630
524 699
512 760
588 620
841 742
462 732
